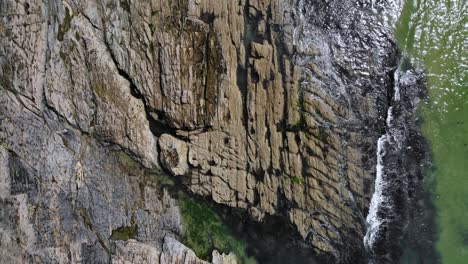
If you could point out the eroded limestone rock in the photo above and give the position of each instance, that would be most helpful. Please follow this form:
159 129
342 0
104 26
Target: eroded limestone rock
173 154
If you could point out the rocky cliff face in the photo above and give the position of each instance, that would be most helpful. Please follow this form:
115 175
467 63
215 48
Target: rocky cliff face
270 107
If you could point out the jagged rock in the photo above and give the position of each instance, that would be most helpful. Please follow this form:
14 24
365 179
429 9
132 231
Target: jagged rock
223 258
171 252
173 154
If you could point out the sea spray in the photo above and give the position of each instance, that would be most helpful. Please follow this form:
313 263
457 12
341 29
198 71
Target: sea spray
379 201
373 220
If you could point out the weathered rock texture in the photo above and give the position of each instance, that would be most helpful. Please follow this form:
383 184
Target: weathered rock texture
270 106
69 190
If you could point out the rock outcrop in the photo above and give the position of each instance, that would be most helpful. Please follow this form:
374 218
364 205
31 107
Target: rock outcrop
273 107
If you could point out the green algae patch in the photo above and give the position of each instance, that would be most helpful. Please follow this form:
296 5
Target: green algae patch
124 233
10 151
65 26
5 146
297 180
159 179
204 231
129 164
100 90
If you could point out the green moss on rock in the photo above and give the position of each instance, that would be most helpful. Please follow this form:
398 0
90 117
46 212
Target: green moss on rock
159 178
204 231
65 26
297 180
128 164
124 233
5 146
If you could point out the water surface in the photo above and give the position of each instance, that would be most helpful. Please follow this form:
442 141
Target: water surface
434 35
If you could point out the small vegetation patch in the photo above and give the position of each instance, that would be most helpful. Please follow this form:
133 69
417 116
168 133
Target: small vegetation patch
124 233
204 231
159 178
128 164
5 146
65 26
297 180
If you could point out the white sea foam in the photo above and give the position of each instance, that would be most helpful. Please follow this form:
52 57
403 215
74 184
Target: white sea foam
389 116
373 221
396 78
378 200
